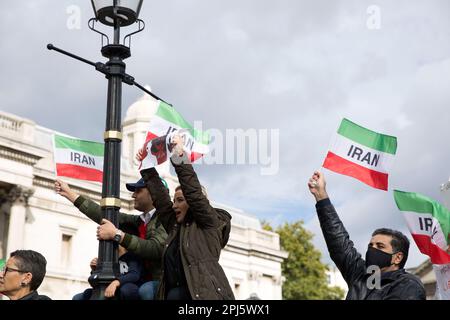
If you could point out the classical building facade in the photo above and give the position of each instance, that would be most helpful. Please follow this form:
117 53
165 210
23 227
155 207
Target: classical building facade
335 279
33 216
426 274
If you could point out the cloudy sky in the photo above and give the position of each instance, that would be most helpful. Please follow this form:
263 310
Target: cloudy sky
294 66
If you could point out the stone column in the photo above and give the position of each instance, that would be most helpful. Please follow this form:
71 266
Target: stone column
18 198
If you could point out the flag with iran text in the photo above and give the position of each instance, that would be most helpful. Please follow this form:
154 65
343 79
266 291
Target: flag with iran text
429 224
78 159
362 154
163 125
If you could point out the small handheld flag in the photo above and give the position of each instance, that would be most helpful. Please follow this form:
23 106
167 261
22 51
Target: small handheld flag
362 154
78 159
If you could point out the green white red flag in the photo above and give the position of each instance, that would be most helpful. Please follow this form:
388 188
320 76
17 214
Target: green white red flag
78 159
163 125
362 154
429 224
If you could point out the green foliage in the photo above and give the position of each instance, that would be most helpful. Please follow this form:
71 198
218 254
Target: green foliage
266 226
304 272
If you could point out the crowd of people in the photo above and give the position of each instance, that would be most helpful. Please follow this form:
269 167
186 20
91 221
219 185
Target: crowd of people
171 250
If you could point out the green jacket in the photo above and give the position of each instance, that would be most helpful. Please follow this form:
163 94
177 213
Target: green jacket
150 248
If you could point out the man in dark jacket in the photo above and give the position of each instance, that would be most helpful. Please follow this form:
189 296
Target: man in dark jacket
382 275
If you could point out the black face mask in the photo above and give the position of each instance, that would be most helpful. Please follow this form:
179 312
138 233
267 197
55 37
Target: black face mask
376 257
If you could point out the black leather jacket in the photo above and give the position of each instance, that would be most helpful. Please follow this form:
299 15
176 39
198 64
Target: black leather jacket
396 285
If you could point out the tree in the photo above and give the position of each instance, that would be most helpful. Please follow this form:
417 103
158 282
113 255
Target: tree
304 272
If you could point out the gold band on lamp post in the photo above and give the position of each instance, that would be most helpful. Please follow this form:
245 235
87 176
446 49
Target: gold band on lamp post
113 135
110 202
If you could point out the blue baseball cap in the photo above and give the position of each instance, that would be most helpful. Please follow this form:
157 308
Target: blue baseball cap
133 186
141 184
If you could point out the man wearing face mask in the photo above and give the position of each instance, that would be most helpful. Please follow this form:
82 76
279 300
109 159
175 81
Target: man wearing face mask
387 253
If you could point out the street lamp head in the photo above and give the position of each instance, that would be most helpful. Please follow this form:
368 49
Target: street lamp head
125 11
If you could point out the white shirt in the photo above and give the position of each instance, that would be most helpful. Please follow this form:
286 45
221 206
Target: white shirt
147 216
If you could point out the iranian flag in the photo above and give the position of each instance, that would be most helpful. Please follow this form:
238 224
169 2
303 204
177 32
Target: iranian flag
78 159
429 224
165 123
362 154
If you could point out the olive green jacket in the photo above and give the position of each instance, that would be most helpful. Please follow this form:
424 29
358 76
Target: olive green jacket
203 234
150 248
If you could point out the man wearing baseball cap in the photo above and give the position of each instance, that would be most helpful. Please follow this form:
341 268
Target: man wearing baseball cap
151 237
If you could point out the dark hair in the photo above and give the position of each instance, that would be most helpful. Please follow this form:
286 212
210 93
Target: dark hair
33 262
399 242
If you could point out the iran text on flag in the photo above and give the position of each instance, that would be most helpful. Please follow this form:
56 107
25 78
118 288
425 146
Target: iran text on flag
429 224
162 126
362 154
78 159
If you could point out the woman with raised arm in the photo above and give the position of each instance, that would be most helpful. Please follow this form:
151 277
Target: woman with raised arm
197 232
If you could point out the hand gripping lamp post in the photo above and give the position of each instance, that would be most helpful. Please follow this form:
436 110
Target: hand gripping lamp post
117 14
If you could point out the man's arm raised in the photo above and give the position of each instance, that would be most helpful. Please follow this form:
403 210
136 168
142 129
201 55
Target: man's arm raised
341 248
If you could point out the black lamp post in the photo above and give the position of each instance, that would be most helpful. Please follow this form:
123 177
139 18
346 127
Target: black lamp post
115 13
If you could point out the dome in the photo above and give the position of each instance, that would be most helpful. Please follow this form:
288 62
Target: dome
143 109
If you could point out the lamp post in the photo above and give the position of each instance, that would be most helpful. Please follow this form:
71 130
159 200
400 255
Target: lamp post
117 14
